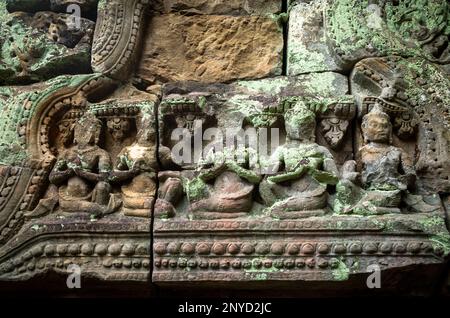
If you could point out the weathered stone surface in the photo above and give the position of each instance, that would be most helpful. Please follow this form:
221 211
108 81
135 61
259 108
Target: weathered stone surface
42 46
248 179
327 84
206 207
415 94
228 7
27 5
333 35
88 7
67 243
210 48
307 48
294 253
359 29
117 38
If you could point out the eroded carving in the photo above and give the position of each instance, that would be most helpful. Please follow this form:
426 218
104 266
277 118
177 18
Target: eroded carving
386 171
117 36
300 190
79 166
138 162
86 162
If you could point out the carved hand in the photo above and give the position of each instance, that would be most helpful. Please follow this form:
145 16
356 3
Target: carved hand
164 175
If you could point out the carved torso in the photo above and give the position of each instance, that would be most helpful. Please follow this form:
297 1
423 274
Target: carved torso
380 167
93 158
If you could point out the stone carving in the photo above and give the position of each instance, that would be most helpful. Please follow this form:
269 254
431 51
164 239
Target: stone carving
386 170
406 91
344 163
333 35
408 28
335 122
233 182
78 166
38 55
138 162
300 190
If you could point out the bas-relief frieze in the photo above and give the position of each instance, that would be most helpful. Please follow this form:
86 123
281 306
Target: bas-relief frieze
356 173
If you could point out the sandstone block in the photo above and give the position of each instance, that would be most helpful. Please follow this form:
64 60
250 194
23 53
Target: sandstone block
307 47
211 48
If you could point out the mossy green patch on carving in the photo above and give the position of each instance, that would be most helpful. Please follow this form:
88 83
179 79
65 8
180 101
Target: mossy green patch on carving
166 107
3 12
28 55
420 71
408 17
260 276
196 189
341 272
251 109
306 51
441 241
269 86
13 114
358 26
301 60
102 4
280 18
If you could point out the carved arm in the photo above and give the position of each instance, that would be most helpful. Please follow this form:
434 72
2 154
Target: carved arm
60 173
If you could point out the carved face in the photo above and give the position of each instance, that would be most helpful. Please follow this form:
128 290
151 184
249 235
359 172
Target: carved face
333 130
87 130
377 128
300 125
304 131
118 128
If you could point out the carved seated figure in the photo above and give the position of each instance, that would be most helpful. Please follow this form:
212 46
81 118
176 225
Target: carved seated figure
82 171
224 186
302 170
138 162
386 171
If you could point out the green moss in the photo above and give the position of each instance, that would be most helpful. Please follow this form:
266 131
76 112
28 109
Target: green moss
3 12
168 104
102 4
260 276
280 19
195 189
342 272
251 109
436 228
441 241
430 74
